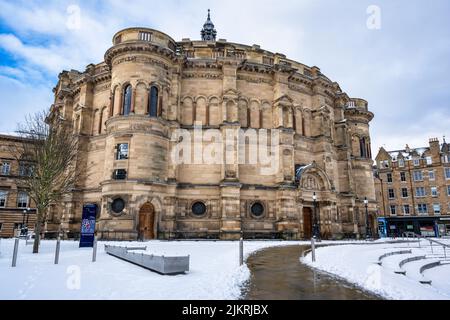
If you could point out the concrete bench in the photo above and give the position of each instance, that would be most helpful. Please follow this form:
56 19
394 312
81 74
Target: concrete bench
160 264
379 262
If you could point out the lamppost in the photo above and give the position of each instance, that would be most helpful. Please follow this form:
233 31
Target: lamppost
368 230
316 230
24 230
28 215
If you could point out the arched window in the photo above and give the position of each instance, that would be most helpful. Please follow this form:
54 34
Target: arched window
153 102
127 100
362 147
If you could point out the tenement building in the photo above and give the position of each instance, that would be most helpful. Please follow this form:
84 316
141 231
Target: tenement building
413 190
16 208
211 138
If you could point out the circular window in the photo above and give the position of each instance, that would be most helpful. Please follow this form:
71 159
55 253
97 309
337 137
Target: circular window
118 205
199 208
257 209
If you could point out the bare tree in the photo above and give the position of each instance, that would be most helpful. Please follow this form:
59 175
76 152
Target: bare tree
49 150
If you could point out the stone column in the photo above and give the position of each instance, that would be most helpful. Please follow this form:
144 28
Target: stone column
133 96
111 104
231 217
287 218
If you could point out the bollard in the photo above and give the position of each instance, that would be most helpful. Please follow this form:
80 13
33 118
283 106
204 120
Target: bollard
445 253
58 244
241 252
431 244
94 250
313 249
16 249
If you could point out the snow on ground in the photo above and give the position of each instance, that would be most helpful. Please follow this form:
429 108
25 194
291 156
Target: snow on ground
357 264
214 271
440 277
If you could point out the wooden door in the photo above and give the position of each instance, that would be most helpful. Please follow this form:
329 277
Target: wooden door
307 223
146 222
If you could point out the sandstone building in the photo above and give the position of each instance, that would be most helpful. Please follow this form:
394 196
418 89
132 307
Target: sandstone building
413 190
16 208
127 109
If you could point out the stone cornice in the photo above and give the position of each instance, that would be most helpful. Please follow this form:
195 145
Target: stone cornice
357 113
138 46
256 67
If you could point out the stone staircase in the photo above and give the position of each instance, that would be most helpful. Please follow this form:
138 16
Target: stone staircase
415 257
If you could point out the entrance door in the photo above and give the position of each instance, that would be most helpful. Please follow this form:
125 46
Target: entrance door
146 222
307 222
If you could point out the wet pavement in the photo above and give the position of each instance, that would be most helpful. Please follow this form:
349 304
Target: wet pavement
277 274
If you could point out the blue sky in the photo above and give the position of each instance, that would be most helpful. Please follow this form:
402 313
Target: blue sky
401 69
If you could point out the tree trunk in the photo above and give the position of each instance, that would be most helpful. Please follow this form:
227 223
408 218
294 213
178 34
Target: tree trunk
37 231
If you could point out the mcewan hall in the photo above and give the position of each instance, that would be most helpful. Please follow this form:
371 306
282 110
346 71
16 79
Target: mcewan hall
152 94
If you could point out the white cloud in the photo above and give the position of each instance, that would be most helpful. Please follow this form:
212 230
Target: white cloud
47 58
401 69
19 99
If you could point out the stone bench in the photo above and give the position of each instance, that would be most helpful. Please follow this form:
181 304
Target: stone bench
160 264
380 258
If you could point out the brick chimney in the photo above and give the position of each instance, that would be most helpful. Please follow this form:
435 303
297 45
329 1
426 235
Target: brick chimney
435 147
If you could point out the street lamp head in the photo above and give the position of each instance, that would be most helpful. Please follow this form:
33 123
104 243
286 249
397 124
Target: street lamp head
366 201
314 196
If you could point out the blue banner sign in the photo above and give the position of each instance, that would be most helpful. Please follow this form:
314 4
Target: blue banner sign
382 227
88 225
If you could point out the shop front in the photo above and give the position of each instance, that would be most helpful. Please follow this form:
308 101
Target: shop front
444 227
423 226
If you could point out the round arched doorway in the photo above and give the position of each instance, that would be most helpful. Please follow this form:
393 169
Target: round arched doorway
146 224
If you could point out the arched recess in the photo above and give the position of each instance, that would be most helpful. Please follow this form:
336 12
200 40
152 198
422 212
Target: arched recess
214 111
187 111
312 177
254 114
165 103
287 117
369 148
243 113
307 119
104 116
117 100
232 112
96 122
77 124
201 112
298 121
154 102
141 99
127 96
362 147
266 116
356 151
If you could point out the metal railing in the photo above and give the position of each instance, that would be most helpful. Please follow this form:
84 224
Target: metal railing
431 241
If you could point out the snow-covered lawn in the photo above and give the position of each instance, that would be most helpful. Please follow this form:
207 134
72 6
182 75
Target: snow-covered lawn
357 264
214 271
